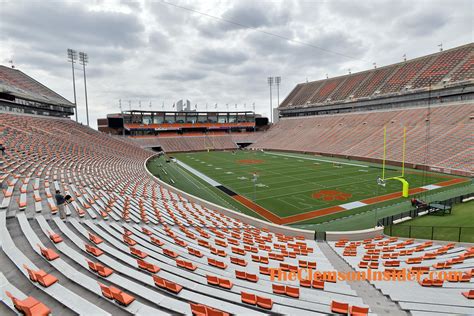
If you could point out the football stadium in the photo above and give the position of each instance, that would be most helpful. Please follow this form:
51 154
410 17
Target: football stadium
351 195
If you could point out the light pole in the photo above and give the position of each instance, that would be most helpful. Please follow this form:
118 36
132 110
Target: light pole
72 57
270 84
123 117
278 81
83 60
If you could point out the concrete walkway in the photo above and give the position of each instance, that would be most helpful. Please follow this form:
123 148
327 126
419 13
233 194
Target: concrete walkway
378 303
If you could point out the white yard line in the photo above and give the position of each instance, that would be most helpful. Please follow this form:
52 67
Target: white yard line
198 174
199 186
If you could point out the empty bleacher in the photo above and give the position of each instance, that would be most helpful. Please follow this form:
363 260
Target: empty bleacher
423 73
450 144
426 295
130 246
19 83
187 143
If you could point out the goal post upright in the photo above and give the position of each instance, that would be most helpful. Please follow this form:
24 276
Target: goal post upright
405 184
384 150
403 150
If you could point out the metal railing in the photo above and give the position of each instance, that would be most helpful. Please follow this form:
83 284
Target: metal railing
452 233
387 221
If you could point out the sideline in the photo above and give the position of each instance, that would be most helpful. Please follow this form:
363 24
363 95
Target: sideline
198 173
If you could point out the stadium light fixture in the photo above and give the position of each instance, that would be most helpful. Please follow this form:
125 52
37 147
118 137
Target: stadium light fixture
278 81
72 57
270 84
83 60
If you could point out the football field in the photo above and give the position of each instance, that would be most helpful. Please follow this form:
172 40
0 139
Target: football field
288 188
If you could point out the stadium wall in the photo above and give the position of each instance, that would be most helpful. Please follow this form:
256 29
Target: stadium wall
355 235
308 234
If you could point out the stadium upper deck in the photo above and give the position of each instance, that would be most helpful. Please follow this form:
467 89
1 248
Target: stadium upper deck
442 71
26 95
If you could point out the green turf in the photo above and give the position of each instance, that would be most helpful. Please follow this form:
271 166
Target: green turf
282 174
457 226
285 184
191 184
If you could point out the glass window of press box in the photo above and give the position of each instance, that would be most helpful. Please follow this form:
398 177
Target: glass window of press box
180 118
169 118
191 117
212 118
147 119
222 118
159 118
202 118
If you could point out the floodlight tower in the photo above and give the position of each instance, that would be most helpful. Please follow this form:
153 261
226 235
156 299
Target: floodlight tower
278 81
270 84
72 57
123 117
83 60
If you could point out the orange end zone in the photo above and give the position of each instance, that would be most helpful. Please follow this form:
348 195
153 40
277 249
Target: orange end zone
312 214
451 182
258 209
390 196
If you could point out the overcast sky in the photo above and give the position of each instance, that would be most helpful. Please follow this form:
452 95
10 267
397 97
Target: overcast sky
156 52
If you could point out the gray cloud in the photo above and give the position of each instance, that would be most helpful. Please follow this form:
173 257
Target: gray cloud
159 41
150 51
70 23
423 23
244 15
220 56
182 75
